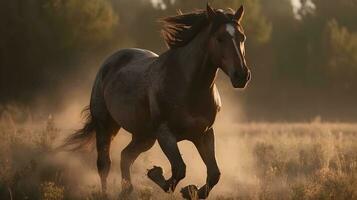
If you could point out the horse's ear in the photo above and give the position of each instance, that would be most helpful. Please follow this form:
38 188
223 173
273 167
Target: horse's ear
239 14
210 12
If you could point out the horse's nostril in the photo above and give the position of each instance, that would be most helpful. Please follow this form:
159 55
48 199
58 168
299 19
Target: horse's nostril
237 75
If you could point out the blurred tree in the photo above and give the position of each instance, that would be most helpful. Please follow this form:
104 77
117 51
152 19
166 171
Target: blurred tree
341 57
42 40
78 24
344 11
314 65
331 35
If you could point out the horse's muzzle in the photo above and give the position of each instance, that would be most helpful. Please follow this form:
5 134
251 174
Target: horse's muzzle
239 81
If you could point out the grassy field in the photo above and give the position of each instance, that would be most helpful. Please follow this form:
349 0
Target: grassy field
258 161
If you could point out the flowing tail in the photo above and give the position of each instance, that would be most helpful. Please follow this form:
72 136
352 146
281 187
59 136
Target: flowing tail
83 137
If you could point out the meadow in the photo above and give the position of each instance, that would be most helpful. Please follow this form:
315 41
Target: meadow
312 160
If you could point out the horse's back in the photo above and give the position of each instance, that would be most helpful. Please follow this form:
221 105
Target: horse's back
123 57
128 68
124 87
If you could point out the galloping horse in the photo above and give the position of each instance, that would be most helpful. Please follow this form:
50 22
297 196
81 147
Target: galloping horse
167 98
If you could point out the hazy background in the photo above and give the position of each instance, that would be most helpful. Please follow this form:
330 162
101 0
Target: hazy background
303 54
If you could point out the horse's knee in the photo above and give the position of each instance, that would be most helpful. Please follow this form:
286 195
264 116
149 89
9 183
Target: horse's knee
213 177
179 171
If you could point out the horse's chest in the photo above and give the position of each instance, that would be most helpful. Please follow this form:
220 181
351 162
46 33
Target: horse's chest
205 111
197 118
207 106
193 114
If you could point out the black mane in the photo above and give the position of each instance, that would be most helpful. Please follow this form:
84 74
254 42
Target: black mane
179 30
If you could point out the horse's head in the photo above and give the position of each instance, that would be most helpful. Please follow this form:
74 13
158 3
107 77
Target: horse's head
226 45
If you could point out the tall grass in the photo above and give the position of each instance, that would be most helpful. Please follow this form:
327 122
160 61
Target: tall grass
283 161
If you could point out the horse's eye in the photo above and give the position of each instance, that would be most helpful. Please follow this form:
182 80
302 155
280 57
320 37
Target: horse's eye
220 39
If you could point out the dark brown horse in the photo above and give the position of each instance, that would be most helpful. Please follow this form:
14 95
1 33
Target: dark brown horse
167 98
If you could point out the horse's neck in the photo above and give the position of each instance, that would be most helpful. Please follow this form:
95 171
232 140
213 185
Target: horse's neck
195 64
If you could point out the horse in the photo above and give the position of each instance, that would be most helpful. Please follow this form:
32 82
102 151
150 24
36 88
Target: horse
167 98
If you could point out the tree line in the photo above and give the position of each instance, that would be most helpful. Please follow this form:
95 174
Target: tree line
303 59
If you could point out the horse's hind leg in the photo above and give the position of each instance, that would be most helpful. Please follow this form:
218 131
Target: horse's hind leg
105 131
168 144
129 154
205 146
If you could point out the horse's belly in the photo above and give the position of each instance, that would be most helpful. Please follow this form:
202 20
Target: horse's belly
127 103
132 116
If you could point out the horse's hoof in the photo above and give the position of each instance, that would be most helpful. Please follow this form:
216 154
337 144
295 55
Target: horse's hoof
125 194
190 192
127 189
155 173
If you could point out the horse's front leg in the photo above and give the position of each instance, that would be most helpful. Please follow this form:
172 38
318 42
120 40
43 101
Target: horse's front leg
168 144
205 146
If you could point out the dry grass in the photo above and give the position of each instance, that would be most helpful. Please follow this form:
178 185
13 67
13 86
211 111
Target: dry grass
258 161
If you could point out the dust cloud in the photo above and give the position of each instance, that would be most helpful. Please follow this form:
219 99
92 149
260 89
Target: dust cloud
232 154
